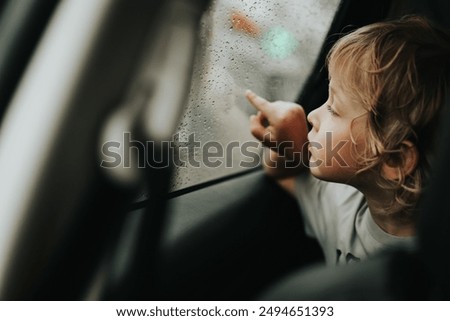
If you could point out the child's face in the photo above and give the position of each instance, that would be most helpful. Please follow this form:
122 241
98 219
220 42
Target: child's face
338 129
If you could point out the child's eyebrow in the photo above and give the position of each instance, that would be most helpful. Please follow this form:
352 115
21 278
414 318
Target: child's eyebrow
332 92
331 89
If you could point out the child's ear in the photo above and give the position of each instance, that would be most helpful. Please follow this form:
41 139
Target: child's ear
405 160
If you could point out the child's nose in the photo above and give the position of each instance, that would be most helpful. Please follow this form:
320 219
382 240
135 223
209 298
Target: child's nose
313 120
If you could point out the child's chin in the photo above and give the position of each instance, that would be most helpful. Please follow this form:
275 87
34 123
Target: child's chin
316 172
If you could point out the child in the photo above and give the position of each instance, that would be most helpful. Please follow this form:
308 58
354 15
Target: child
370 142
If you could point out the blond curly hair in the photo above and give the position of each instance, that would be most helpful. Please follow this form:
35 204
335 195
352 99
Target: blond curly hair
399 72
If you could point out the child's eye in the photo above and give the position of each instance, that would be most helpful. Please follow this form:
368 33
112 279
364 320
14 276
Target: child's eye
332 112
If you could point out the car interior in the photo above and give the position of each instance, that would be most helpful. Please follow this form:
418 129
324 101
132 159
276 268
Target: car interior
75 75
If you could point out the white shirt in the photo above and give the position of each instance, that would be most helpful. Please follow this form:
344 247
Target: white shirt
337 215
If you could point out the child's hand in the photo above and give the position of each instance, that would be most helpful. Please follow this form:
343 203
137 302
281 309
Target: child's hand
279 125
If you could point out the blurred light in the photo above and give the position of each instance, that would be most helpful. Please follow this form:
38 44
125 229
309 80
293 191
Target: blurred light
241 22
279 43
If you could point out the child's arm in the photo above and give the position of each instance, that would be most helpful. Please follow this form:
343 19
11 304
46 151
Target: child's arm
280 126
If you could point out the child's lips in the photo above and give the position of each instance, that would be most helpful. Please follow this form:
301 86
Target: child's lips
310 150
312 147
310 140
311 156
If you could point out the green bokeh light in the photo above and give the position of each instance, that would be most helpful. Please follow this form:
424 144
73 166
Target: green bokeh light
279 43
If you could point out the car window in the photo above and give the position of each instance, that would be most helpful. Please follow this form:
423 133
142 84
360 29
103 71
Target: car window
267 46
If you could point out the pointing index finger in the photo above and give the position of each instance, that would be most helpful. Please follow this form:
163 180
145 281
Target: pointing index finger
257 101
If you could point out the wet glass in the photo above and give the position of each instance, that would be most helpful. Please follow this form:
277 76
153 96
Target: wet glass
267 46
